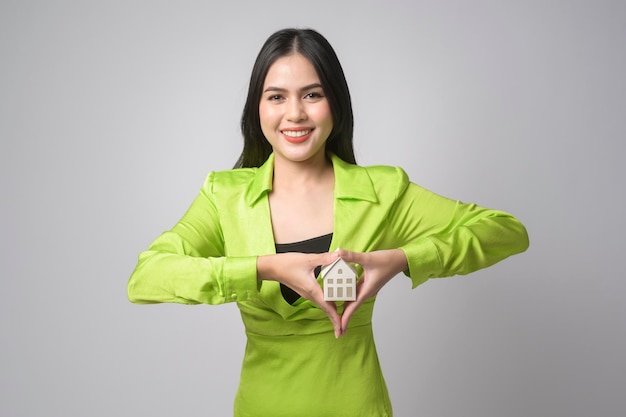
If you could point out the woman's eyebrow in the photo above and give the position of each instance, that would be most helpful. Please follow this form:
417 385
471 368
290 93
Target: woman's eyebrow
282 90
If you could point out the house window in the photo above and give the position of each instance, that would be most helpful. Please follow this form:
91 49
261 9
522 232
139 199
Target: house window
331 292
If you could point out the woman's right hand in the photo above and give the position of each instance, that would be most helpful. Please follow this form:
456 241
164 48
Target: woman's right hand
296 270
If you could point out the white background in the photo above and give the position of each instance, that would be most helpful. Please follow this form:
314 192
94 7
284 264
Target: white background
113 112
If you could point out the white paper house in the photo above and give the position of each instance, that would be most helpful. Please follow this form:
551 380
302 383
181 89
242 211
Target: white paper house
339 281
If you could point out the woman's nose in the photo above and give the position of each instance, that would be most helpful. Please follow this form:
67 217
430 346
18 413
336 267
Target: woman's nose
295 111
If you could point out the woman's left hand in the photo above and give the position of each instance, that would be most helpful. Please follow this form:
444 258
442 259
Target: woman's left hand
378 269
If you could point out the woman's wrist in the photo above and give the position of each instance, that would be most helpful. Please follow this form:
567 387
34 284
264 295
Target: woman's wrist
263 268
400 261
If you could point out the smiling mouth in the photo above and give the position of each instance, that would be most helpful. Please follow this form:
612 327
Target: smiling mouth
296 133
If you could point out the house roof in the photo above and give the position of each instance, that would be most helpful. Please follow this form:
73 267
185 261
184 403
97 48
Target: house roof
336 263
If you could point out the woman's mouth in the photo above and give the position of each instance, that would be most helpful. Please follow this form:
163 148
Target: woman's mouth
296 136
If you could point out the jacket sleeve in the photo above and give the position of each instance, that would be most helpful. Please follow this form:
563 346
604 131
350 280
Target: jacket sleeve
187 264
443 237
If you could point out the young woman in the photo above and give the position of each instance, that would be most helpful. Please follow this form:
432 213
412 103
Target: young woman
257 234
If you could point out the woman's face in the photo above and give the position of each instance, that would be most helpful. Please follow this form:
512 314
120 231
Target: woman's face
295 115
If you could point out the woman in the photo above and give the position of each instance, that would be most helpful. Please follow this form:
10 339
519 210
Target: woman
256 234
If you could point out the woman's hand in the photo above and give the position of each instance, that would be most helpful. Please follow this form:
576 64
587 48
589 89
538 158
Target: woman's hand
378 269
296 270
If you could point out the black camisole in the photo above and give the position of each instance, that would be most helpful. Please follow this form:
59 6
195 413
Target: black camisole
318 244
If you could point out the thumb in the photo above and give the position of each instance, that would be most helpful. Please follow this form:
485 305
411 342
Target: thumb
327 258
335 319
350 308
349 256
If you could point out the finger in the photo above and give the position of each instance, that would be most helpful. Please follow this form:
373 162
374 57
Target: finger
335 319
349 308
330 308
321 259
362 295
353 257
331 311
327 258
348 255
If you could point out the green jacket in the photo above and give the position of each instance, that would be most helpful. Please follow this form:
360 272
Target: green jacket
209 256
293 365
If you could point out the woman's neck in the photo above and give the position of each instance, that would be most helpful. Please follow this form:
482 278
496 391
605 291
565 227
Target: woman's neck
302 200
312 172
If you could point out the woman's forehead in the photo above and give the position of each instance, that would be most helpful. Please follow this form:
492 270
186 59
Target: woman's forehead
294 71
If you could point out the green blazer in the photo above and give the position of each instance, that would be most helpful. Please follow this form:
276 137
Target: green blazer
209 257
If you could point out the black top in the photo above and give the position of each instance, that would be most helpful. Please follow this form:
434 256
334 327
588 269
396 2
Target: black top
318 244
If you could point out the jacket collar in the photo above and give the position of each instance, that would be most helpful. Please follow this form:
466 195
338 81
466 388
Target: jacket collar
352 182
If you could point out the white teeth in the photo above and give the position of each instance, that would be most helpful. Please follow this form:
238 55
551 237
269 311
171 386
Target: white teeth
296 134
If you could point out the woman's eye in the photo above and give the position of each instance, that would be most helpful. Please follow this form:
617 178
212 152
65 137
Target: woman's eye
314 95
275 97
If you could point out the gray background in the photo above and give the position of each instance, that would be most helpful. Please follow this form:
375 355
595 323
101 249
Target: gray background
113 112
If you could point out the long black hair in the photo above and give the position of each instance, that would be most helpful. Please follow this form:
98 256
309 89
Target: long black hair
320 53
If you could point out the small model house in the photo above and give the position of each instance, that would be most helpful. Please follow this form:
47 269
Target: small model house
339 281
